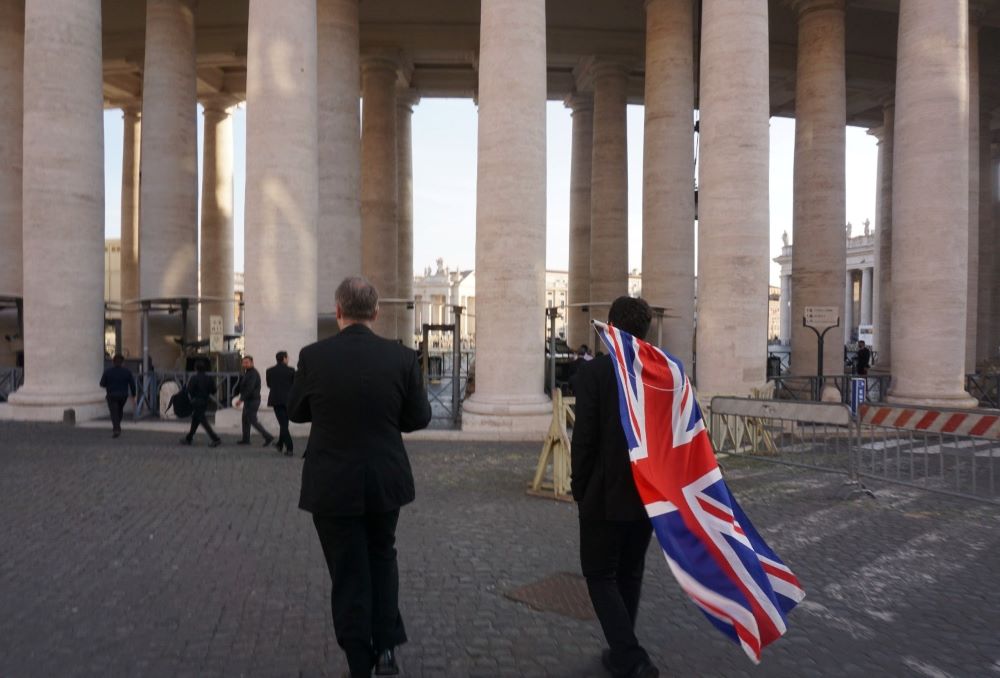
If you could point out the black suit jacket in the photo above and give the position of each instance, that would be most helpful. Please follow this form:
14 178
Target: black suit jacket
249 385
360 392
601 480
279 380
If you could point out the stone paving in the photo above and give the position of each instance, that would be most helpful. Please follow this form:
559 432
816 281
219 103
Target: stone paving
137 557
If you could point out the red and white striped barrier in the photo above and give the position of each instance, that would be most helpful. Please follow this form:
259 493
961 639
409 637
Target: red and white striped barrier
975 424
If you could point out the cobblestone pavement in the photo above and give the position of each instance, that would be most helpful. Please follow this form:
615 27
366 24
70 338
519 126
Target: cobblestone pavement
138 557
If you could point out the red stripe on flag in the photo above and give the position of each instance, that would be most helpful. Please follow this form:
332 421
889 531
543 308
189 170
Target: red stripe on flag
712 510
954 421
783 575
927 420
904 417
621 366
744 634
983 426
880 416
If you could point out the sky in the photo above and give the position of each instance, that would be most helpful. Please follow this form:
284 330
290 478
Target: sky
444 181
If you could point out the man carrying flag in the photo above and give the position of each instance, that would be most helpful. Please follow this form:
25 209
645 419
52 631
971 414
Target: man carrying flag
716 555
614 527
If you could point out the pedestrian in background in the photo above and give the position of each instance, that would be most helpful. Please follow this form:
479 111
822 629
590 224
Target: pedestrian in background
119 383
279 379
249 400
200 389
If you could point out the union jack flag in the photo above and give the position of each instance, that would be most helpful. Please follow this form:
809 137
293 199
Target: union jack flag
713 551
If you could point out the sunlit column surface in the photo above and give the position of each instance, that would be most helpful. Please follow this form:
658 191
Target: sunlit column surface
578 292
405 101
883 240
217 276
11 114
131 318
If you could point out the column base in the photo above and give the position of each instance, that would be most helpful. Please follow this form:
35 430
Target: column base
23 405
528 415
959 401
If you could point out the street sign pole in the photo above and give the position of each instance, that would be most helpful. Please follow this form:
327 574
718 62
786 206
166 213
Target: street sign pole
814 318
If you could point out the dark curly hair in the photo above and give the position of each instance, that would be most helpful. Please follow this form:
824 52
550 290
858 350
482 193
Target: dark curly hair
631 314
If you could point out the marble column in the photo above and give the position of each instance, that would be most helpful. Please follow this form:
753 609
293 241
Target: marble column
131 317
510 221
786 309
217 272
733 199
668 179
930 195
63 212
282 200
986 341
819 207
379 189
405 100
11 114
848 316
609 187
972 288
578 322
168 204
994 211
883 240
866 296
338 230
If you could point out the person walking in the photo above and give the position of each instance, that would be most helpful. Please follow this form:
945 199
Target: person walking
864 358
200 389
360 392
119 383
249 400
279 379
614 528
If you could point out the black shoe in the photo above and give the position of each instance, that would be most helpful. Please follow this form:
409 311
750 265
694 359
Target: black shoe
215 443
289 453
185 441
242 442
267 442
385 663
280 447
643 669
115 434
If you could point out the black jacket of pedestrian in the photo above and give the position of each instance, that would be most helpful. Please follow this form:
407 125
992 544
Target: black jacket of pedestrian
279 380
249 386
118 381
200 388
360 392
601 479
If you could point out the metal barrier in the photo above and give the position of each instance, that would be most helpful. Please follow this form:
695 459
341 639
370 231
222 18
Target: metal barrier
808 388
950 451
985 388
11 379
148 389
814 435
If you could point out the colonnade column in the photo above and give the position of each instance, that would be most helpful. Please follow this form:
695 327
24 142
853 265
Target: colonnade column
282 198
994 214
609 187
11 115
986 340
63 212
668 182
930 196
785 334
733 198
819 185
883 240
510 220
972 272
217 273
405 101
866 297
338 230
131 317
848 308
379 186
578 292
168 205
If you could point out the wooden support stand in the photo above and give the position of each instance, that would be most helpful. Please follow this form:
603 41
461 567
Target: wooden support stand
555 453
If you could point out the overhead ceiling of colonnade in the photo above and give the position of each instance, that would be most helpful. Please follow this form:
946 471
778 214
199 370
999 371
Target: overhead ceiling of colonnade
439 39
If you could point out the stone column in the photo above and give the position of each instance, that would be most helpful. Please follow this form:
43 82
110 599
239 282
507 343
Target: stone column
819 191
972 289
609 187
282 198
339 76
11 114
733 199
883 240
866 296
131 317
405 101
578 292
668 180
986 341
63 212
848 308
510 221
786 309
379 190
993 215
217 272
168 205
930 196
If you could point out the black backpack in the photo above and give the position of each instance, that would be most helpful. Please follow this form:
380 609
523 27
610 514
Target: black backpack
180 402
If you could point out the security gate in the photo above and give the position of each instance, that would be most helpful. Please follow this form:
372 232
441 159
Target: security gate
445 368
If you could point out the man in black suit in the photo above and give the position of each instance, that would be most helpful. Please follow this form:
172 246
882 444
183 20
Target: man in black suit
614 528
279 379
119 383
200 389
249 399
360 392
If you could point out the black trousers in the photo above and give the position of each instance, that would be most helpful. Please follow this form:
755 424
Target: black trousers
284 437
116 406
360 553
613 557
198 418
250 408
